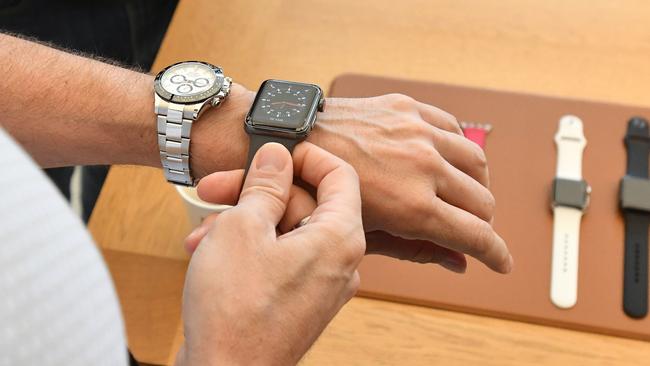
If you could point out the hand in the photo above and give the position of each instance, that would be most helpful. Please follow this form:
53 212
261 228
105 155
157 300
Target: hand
422 181
424 186
255 297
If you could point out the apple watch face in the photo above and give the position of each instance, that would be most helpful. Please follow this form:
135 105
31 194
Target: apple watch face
189 82
285 104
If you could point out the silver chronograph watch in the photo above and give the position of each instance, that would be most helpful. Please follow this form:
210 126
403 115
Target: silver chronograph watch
182 92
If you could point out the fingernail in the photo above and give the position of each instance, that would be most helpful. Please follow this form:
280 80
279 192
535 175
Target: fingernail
453 264
270 158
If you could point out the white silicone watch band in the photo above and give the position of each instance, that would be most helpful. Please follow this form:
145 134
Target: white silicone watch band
570 142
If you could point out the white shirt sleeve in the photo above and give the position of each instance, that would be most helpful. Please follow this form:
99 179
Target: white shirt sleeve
57 302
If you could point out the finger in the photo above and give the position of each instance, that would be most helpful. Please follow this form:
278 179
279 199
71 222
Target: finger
301 204
224 187
458 229
460 190
439 118
420 251
221 187
464 154
194 238
266 190
337 183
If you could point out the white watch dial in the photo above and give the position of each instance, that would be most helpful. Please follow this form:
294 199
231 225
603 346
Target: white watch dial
188 78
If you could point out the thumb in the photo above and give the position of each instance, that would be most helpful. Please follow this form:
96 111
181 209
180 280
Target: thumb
266 189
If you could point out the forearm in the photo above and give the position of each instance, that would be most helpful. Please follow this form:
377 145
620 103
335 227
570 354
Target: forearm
67 110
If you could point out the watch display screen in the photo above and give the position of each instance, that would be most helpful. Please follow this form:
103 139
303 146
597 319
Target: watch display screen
188 79
284 104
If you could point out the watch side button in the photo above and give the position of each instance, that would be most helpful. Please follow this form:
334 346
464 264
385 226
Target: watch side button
321 105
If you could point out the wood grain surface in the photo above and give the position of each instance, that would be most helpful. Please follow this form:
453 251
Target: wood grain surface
587 49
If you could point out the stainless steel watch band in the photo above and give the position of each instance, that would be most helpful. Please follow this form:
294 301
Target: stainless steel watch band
174 129
174 124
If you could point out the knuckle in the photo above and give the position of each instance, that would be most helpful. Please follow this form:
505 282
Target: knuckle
420 128
226 222
245 223
434 161
353 285
265 183
349 170
454 123
268 188
349 241
420 208
452 118
226 217
490 205
355 249
430 151
479 157
401 101
482 242
255 223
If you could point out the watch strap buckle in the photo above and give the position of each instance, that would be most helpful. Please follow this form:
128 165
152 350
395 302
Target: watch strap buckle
635 193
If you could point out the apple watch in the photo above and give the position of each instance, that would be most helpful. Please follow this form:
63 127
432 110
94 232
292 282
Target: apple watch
635 204
570 198
182 92
284 112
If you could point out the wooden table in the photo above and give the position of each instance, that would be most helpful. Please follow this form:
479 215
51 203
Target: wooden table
592 49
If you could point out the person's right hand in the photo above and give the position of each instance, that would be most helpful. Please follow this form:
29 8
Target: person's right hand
255 295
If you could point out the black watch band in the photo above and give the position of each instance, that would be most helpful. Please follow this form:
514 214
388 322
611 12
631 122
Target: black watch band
257 141
635 203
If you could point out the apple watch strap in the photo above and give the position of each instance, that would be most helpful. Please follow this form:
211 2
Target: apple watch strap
174 143
476 132
568 208
635 203
257 141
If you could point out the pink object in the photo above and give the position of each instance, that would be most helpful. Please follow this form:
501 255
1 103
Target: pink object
476 132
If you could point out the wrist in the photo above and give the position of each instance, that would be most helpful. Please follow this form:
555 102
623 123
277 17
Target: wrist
187 356
219 141
147 133
210 355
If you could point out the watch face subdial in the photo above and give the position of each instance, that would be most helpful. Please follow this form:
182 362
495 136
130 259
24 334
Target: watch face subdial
284 102
188 79
200 82
178 79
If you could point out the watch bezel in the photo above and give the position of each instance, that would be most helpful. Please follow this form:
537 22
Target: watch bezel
300 132
192 99
570 193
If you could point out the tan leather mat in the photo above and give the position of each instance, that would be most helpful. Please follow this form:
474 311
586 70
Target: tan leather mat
522 157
